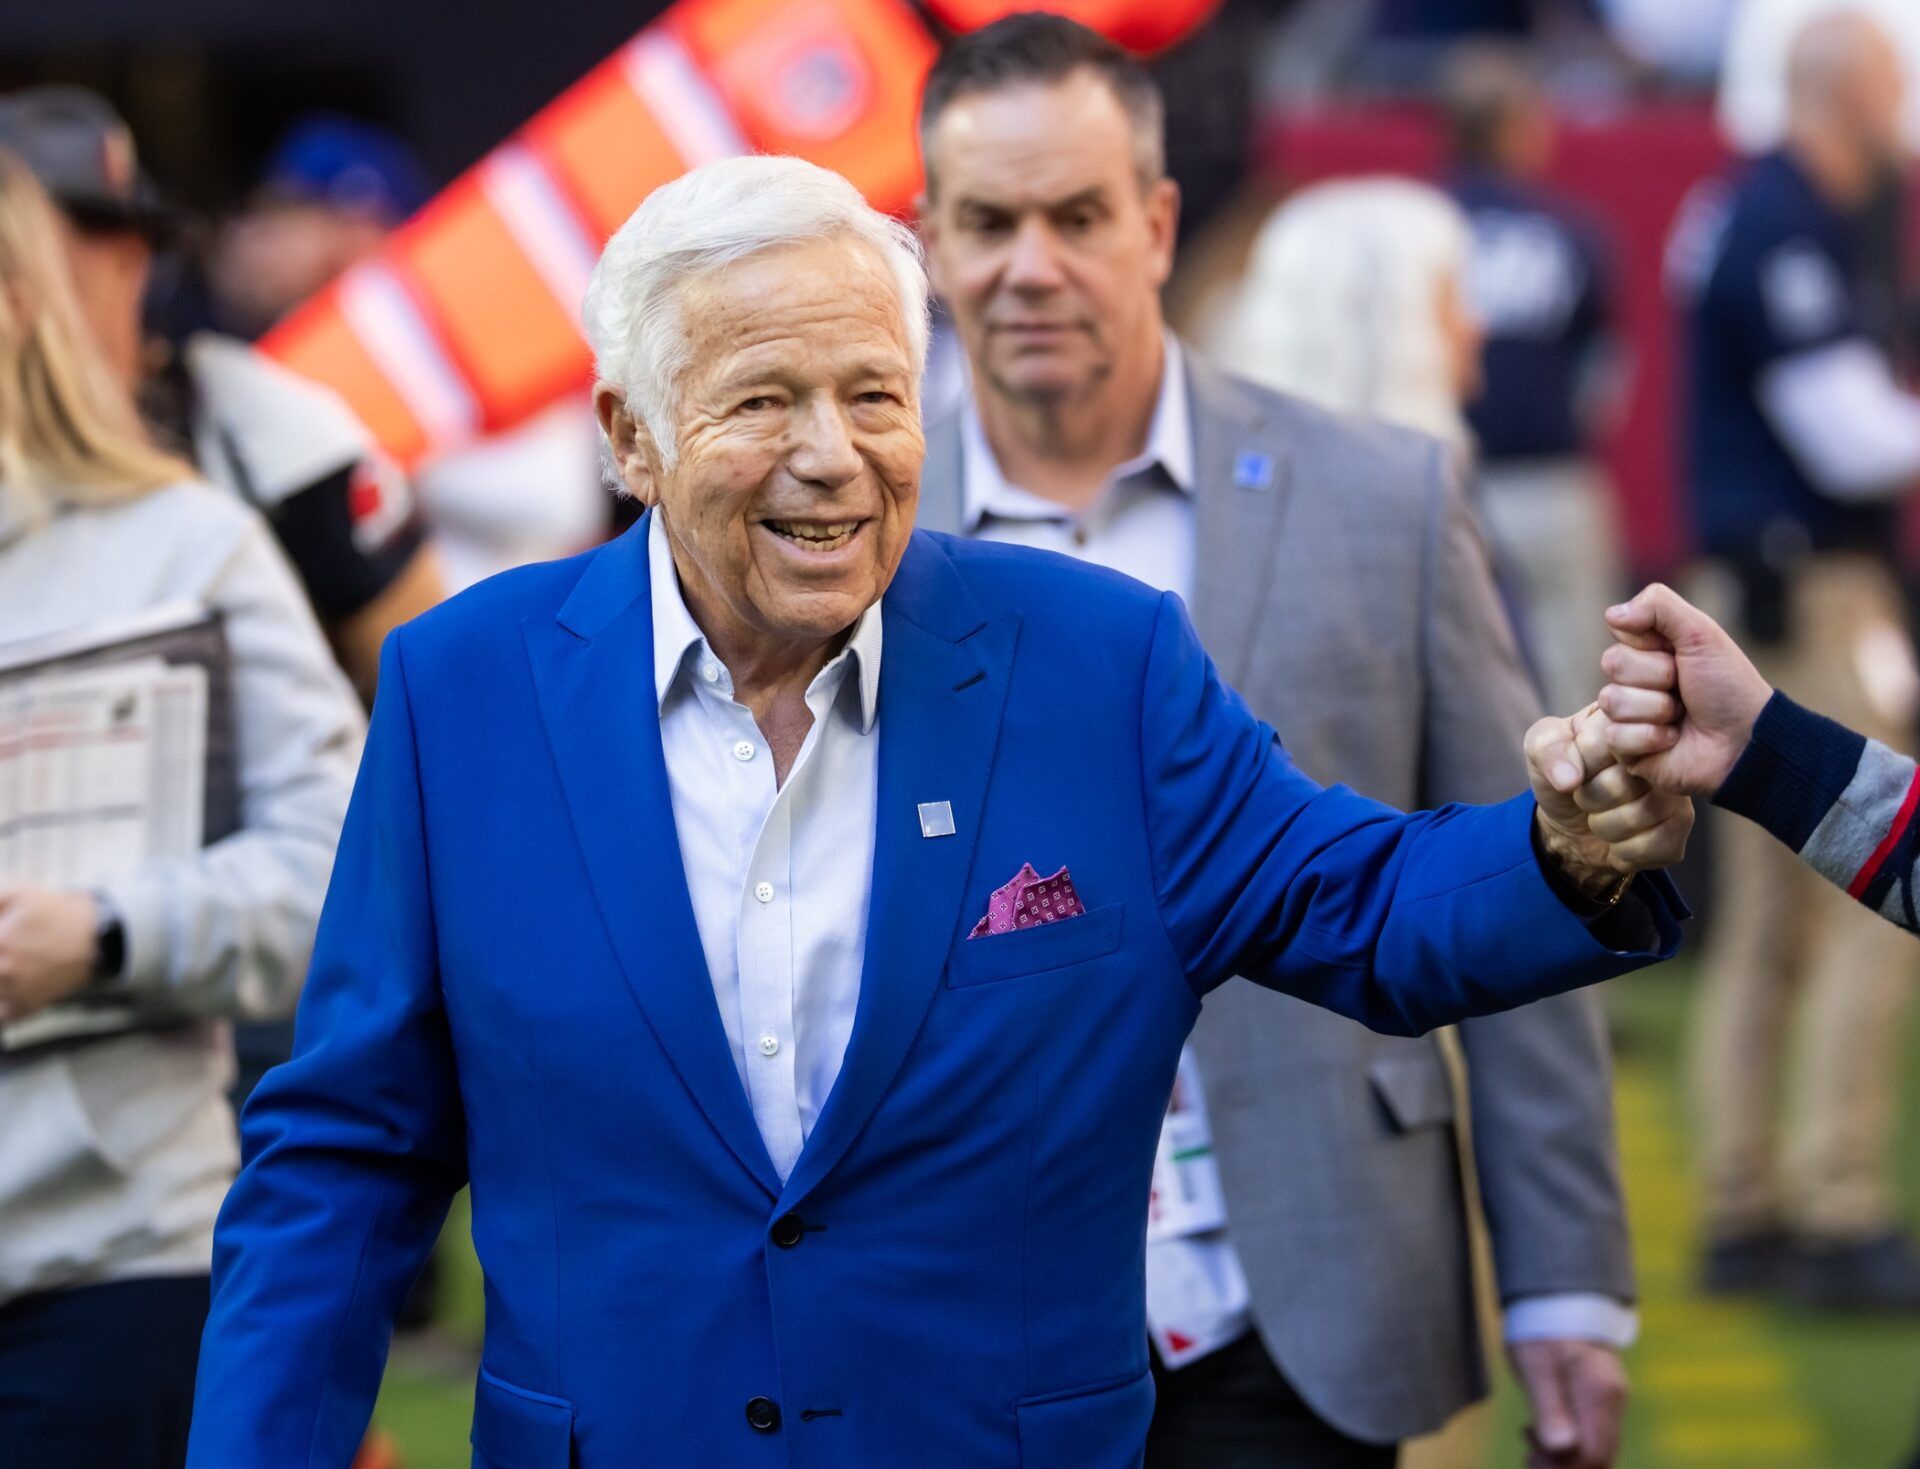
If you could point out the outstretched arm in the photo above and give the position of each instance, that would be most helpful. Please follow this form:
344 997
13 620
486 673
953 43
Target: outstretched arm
1401 922
1845 803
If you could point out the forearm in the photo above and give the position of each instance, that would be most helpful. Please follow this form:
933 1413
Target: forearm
227 932
1846 804
358 636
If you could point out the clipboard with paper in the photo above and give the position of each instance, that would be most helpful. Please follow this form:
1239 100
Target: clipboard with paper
117 748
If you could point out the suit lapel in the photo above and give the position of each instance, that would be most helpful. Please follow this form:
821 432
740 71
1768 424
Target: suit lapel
1243 481
943 685
594 671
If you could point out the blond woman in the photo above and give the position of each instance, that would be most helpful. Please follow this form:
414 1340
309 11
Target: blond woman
115 1152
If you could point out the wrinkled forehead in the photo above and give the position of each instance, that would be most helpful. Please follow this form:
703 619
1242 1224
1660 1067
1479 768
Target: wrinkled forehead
834 299
1033 144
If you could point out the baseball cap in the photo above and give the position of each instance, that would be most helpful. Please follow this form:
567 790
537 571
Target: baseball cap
345 164
82 152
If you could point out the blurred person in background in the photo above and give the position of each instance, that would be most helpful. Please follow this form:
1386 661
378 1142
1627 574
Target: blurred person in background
1801 444
1355 299
332 192
115 1152
1537 286
341 510
1753 116
1309 1287
1753 103
293 450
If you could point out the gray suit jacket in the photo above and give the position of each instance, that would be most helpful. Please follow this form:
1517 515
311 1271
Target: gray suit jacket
1350 602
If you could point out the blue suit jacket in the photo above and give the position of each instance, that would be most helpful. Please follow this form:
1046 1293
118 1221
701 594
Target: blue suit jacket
508 990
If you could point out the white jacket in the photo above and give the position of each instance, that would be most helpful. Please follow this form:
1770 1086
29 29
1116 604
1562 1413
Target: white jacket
115 1155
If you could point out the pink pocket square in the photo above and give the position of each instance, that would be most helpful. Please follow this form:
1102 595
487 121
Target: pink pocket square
1029 901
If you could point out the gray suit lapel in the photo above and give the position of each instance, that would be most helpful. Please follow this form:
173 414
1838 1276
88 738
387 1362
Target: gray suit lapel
1243 479
942 481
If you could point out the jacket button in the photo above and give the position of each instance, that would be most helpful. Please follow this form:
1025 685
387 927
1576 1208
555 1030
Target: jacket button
763 1414
787 1231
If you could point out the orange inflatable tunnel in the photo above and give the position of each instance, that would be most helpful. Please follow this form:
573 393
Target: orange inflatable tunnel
1139 25
468 320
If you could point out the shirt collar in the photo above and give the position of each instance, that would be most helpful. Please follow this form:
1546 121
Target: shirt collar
1169 445
679 643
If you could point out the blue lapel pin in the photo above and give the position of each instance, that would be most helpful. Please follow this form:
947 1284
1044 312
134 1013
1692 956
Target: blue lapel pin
936 818
1252 470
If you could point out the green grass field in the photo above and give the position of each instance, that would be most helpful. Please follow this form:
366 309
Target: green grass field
1717 1385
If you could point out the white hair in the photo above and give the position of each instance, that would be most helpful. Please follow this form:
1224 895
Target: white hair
1340 302
706 219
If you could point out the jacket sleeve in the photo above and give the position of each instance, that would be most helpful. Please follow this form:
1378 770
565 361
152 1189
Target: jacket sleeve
354 1148
1540 1077
228 930
1403 923
1847 804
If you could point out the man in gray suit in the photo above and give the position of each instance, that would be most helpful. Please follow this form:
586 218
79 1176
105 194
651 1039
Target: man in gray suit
1309 1276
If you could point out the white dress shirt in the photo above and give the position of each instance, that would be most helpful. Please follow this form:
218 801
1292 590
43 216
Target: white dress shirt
779 876
1143 524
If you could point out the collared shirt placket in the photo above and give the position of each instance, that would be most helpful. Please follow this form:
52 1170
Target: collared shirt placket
766 1028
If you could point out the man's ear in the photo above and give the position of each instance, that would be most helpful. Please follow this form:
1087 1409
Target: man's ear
928 226
1163 223
629 443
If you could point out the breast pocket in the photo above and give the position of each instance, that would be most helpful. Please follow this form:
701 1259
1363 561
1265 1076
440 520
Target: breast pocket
1039 950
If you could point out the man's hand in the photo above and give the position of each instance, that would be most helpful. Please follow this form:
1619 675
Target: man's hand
1596 820
46 948
1684 698
1576 1396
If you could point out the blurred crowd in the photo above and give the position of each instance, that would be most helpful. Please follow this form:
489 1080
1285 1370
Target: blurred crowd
150 453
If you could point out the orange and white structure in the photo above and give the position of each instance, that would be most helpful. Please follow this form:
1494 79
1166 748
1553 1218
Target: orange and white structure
468 320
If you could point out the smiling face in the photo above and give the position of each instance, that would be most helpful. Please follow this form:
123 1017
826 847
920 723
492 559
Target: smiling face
792 495
1045 245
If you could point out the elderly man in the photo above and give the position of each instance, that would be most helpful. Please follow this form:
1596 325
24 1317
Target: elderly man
788 924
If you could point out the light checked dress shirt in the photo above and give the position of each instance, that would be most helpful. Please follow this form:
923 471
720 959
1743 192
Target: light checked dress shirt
1143 524
779 877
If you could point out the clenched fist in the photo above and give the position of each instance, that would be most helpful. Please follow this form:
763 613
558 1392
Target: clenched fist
1597 821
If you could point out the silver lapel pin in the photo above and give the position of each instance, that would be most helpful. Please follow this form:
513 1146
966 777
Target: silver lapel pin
936 818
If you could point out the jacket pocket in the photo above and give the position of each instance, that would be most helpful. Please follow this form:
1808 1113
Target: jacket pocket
1105 1428
1414 1088
517 1429
1036 950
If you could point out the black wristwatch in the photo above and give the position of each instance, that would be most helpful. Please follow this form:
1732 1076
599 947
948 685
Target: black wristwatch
109 940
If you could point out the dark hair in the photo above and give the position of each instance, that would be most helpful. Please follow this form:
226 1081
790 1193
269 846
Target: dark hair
1483 86
1034 46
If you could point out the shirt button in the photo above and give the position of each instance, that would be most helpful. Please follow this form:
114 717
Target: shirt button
769 1045
743 751
710 672
764 892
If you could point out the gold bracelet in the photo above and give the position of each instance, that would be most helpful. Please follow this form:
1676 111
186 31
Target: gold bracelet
1612 900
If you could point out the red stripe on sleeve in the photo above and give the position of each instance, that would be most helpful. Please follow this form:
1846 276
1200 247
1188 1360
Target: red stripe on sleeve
1864 877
